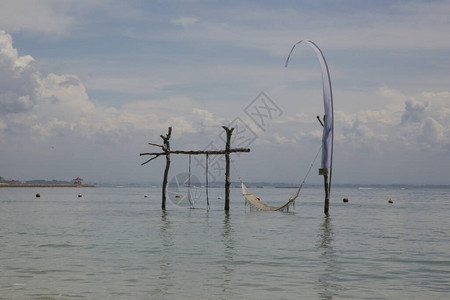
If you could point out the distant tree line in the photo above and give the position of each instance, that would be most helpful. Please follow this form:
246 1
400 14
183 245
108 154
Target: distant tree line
38 181
54 181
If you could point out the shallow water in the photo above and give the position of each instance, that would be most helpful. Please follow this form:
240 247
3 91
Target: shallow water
113 243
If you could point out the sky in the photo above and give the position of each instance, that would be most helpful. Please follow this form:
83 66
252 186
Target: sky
86 85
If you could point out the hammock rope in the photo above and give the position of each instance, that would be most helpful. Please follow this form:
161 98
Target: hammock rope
310 167
207 196
255 203
189 185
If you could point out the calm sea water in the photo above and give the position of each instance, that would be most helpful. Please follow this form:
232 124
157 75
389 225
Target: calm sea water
114 243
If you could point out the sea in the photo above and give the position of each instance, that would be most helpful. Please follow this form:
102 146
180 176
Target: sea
117 243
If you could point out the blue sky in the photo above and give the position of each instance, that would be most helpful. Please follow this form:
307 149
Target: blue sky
85 85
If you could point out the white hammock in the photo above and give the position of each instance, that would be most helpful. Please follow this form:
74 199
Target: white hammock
257 204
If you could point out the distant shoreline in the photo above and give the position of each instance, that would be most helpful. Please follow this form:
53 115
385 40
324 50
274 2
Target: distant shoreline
27 185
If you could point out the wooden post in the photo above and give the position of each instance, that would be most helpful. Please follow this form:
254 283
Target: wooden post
227 167
327 194
166 149
206 181
326 183
326 186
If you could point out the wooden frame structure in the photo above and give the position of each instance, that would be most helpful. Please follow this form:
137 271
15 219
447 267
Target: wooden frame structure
166 152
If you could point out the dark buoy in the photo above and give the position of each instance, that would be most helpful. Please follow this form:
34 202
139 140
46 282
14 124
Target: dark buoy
38 195
145 196
391 201
345 200
79 195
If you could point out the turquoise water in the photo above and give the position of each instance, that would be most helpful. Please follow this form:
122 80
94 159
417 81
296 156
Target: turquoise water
114 243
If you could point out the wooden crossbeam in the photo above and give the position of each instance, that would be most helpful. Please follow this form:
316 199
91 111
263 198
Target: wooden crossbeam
198 152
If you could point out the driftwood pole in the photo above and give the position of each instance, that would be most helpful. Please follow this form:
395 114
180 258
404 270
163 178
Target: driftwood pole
227 167
326 183
167 152
166 149
327 192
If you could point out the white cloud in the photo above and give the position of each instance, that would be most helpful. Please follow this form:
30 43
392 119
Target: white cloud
57 19
185 21
414 112
49 17
422 125
18 79
55 105
128 84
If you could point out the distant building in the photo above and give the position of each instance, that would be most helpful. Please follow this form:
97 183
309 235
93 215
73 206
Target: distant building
78 180
13 182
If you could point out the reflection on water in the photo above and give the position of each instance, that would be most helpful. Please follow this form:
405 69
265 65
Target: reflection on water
165 232
227 236
227 268
326 283
165 270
